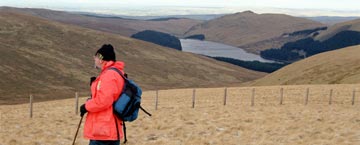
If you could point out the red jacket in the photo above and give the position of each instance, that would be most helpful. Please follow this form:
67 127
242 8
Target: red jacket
100 120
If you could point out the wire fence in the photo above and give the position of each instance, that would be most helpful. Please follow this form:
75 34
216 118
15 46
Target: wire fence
243 96
259 96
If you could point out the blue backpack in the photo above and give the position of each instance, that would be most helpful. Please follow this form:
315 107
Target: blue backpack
127 106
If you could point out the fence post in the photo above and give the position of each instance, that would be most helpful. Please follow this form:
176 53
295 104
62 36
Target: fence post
76 103
307 96
225 95
353 98
330 98
31 106
253 97
156 99
193 98
281 95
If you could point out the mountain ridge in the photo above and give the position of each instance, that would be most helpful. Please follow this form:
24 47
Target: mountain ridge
117 25
52 60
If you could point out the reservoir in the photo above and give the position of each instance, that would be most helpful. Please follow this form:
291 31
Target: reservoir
217 49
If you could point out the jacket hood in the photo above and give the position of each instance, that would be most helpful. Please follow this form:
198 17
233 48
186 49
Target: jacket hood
118 64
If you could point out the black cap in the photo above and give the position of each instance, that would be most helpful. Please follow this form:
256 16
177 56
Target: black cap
106 52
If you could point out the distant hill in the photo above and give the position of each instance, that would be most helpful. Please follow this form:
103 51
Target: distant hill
335 37
246 29
159 38
353 25
52 60
331 20
334 67
113 24
201 17
164 19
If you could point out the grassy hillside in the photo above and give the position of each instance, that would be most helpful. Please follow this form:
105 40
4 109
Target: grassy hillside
52 61
125 27
248 28
335 37
333 67
353 25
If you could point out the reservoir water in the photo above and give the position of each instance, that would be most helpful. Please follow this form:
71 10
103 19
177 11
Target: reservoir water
217 49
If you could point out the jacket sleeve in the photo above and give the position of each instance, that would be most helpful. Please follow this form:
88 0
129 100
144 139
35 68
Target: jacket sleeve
106 92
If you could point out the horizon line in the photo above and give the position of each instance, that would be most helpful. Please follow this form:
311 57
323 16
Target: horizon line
210 11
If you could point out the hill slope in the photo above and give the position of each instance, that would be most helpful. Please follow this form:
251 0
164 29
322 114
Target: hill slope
335 37
333 67
353 25
331 20
125 27
52 61
246 28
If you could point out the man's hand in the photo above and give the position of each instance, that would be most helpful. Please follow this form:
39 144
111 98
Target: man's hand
92 79
82 110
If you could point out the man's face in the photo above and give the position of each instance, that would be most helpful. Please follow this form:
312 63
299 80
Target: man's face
97 62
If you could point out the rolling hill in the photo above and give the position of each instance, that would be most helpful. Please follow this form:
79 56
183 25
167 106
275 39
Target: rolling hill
335 37
52 60
334 67
117 25
251 31
353 25
331 20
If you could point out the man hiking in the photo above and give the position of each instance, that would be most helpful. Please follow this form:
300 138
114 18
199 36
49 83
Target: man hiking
102 127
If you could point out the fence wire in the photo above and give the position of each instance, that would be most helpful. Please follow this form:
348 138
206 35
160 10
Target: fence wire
246 96
240 96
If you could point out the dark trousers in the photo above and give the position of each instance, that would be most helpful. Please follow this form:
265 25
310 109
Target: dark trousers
104 142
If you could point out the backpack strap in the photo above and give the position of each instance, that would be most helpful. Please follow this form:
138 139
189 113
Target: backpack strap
117 128
145 111
119 72
124 128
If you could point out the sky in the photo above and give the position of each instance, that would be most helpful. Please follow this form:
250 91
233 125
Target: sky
171 7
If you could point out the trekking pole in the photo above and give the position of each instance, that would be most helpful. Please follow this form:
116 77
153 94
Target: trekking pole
77 130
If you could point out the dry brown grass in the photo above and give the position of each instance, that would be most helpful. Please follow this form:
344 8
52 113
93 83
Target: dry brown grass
210 122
